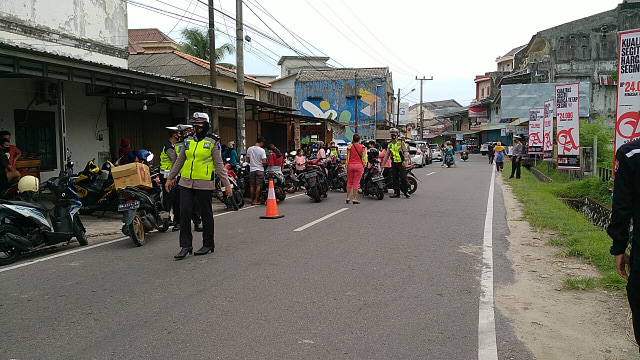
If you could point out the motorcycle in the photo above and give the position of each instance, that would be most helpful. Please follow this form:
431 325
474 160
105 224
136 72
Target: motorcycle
372 182
142 210
288 171
448 160
24 226
337 178
464 155
412 180
278 186
236 201
242 176
315 180
96 188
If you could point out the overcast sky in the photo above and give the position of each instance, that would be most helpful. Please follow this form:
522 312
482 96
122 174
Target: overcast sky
451 41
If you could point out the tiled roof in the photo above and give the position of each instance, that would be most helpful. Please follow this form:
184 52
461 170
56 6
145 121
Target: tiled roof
514 51
223 70
342 74
135 48
143 35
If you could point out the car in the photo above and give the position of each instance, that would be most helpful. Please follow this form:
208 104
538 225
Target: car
424 148
417 156
436 152
484 149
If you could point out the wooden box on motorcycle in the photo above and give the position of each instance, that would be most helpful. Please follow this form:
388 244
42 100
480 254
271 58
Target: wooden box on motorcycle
134 174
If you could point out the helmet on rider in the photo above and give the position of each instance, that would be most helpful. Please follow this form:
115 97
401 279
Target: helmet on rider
29 184
200 123
231 144
319 143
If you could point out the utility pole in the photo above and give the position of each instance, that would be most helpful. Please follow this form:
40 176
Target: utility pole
398 110
421 127
355 86
240 106
212 69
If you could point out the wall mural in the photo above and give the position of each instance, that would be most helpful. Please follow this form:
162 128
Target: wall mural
368 104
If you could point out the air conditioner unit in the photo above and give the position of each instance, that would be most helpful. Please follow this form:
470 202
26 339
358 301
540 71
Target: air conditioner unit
47 92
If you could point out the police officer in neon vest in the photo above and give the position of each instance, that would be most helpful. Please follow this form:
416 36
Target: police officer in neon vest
197 163
399 154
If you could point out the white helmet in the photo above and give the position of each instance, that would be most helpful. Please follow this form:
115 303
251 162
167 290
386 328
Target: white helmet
394 131
200 117
231 144
29 183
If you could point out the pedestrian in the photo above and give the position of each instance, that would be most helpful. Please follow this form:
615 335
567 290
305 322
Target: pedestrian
490 152
516 158
125 155
275 162
300 161
626 206
168 157
321 154
500 155
14 152
8 174
197 163
356 161
257 158
398 152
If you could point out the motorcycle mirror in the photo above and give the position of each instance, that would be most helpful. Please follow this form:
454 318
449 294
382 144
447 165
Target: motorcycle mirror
293 153
150 156
227 159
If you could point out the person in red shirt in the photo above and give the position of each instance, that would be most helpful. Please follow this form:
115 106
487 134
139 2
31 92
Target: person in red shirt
14 152
356 161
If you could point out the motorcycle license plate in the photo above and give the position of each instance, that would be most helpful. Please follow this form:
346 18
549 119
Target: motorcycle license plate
310 175
129 205
377 178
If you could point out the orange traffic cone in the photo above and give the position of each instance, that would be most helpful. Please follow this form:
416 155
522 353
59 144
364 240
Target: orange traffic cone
272 206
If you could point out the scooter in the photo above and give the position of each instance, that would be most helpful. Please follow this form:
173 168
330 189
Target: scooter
234 202
24 226
142 210
96 188
448 160
372 182
315 180
412 180
464 155
278 186
337 175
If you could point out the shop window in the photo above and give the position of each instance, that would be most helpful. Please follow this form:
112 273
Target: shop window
36 134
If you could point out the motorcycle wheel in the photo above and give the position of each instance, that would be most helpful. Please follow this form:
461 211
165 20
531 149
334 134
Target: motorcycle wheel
289 185
379 193
413 185
9 255
237 194
164 226
79 231
136 231
315 194
280 193
231 202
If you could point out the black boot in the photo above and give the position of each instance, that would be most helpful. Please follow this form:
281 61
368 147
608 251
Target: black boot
203 250
183 253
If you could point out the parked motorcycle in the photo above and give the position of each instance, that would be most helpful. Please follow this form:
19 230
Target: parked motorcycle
142 210
234 202
242 176
315 180
291 182
96 189
23 223
337 178
448 160
278 186
464 155
412 180
372 182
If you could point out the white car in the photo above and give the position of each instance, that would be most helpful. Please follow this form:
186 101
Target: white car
424 148
417 156
484 149
436 153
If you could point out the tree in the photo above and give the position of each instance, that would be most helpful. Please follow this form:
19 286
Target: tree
196 42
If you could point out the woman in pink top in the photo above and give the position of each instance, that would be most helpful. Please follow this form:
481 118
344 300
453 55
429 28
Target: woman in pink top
356 161
300 160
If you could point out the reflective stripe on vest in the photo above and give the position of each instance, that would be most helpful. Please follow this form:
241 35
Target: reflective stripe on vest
395 151
165 161
198 164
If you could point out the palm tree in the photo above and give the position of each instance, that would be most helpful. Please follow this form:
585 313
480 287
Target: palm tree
196 43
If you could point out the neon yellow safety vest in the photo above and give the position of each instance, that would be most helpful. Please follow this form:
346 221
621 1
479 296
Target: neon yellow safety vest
198 164
165 160
395 151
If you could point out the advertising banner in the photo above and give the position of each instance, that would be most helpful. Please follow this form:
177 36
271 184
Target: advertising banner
628 108
567 127
536 116
548 131
478 112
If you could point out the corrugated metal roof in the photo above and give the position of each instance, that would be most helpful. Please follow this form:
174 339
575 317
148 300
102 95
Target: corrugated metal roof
342 74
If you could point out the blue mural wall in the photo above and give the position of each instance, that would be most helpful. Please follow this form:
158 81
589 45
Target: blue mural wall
335 99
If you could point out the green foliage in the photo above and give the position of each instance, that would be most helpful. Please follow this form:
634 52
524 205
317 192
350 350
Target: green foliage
589 187
575 235
196 43
574 283
597 127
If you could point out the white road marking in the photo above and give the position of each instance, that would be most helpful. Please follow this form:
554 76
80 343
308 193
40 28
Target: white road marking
431 173
487 348
321 219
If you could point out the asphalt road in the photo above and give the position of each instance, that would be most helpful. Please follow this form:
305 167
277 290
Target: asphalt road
390 279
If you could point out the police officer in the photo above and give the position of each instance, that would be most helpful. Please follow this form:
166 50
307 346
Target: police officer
197 163
626 206
168 156
399 154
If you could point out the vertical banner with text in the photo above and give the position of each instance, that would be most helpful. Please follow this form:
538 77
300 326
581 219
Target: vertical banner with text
548 131
535 130
567 127
628 108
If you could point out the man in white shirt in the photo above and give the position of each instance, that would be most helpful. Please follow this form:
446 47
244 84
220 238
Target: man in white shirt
257 158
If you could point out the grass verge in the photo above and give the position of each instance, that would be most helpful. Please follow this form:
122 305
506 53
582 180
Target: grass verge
575 234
